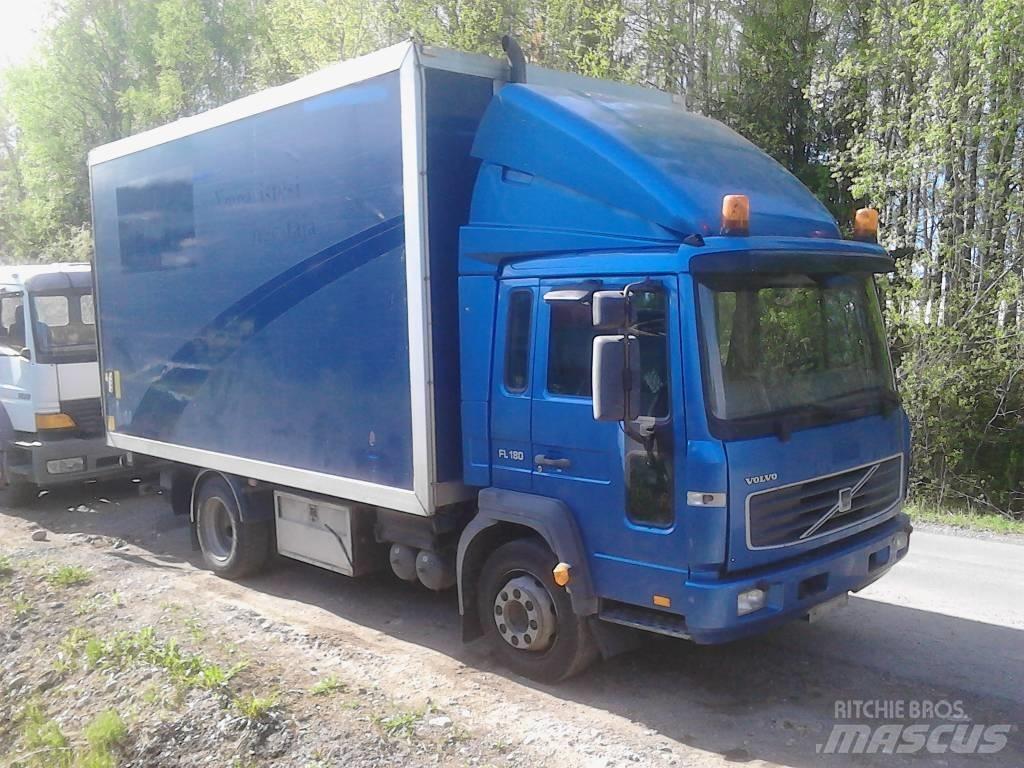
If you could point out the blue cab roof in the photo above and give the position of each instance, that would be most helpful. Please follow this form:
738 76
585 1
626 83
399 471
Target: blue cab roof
564 169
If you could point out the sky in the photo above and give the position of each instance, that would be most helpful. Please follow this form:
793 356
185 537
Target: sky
19 24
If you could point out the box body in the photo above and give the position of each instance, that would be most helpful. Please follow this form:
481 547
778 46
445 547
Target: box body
277 282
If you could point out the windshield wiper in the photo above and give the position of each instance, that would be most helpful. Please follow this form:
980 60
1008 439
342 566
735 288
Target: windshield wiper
783 420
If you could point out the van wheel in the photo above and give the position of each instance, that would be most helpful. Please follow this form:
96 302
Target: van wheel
528 619
232 547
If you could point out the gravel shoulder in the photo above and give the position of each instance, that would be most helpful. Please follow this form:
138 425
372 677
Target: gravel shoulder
309 668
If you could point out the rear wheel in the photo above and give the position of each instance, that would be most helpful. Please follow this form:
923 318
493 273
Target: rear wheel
528 619
231 546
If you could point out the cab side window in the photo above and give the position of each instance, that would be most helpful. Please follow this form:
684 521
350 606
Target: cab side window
12 323
517 341
570 348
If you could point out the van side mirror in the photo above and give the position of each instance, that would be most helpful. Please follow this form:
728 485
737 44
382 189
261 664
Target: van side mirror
26 353
615 378
610 310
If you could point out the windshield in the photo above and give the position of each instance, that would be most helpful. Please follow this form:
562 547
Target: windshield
65 327
778 344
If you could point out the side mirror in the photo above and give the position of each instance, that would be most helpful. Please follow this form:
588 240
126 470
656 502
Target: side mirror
610 310
615 378
26 353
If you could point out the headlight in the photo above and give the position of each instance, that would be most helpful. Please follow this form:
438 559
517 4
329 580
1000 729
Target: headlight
750 601
62 466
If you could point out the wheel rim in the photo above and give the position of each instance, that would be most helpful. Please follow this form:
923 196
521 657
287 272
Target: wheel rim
524 614
218 528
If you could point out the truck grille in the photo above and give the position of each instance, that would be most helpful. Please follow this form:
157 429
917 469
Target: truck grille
88 415
812 508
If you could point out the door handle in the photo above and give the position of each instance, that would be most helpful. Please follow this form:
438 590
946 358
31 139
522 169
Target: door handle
543 461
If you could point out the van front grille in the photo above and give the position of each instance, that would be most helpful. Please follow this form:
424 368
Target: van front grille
811 508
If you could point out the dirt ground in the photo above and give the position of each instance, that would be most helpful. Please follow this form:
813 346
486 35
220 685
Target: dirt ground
112 612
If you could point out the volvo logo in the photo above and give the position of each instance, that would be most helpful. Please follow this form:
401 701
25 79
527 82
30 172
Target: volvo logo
761 479
845 501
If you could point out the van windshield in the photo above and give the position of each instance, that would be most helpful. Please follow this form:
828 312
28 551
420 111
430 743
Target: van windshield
64 329
805 345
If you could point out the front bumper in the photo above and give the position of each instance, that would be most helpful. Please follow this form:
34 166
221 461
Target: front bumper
792 588
28 460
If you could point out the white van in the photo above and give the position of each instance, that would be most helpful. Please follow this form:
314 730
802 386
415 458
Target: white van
51 423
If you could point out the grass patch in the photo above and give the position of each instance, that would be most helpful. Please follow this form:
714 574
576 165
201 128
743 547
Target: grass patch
329 684
399 724
22 607
255 708
195 629
106 731
69 576
963 518
6 569
143 647
46 746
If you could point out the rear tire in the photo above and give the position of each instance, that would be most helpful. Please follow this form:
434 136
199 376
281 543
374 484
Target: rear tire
232 548
528 619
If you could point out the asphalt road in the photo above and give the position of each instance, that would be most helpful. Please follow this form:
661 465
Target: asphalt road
946 625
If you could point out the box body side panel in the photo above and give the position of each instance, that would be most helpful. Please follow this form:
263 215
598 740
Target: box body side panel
252 288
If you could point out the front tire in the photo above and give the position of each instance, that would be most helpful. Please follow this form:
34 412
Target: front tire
528 619
232 547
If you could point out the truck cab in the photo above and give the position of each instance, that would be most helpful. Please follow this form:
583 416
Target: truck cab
686 356
51 425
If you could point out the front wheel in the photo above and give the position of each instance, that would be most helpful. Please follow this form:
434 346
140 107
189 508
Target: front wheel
231 546
528 619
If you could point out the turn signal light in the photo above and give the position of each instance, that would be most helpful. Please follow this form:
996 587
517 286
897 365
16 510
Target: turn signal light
561 574
54 421
735 215
865 225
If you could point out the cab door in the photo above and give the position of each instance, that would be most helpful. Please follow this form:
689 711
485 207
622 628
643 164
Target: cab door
512 385
623 491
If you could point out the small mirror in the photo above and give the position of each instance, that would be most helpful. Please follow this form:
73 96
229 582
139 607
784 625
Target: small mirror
26 353
611 310
615 378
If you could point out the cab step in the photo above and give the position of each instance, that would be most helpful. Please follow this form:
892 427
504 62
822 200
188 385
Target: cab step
648 619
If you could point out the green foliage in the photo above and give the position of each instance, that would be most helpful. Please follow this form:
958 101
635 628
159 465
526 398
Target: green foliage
22 607
6 569
255 708
69 576
106 731
329 684
914 106
45 745
400 723
143 647
962 517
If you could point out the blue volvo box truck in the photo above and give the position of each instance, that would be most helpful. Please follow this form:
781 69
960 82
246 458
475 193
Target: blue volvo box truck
598 363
